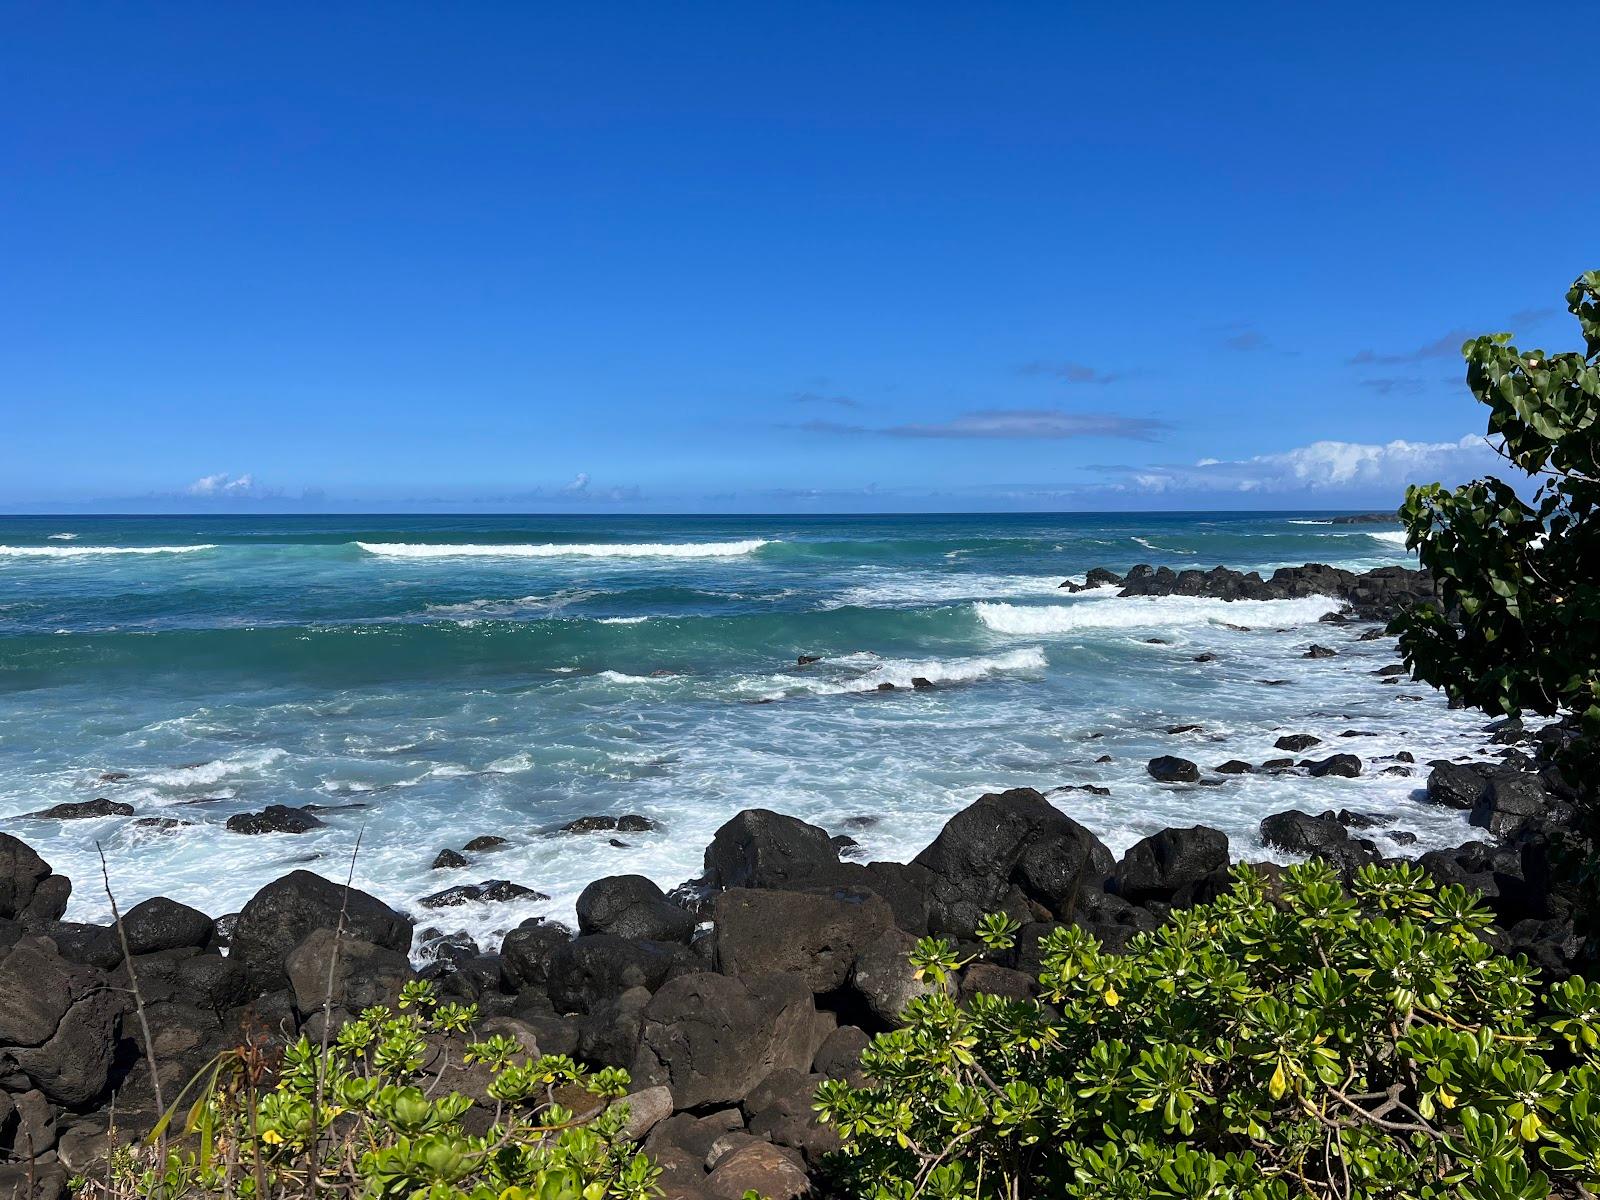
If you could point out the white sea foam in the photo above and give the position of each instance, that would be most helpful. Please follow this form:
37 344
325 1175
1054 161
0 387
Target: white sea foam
556 550
93 551
1390 537
1150 612
207 773
875 671
1160 549
1298 522
62 537
930 588
623 620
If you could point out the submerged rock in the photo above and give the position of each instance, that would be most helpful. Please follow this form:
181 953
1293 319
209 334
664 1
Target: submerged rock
1171 769
495 890
275 818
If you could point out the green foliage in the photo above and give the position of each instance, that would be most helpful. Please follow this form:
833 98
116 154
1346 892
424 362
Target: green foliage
363 1117
1521 576
1288 1040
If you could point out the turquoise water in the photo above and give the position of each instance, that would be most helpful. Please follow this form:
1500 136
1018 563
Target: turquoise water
448 677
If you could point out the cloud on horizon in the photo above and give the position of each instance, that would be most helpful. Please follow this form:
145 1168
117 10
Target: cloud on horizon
1014 423
223 485
1321 467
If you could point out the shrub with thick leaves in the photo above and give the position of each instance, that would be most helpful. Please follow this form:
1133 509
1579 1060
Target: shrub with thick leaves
363 1116
1519 628
1290 1039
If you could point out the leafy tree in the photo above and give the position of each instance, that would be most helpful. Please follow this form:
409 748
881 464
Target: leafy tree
1288 1040
1519 627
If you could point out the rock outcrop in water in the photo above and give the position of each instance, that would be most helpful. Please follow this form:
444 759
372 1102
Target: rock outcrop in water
729 999
1375 595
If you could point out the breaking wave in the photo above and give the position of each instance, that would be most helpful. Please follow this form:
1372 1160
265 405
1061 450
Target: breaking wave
93 551
1151 612
558 550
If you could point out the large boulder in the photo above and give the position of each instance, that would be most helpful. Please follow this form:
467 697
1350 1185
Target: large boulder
59 1023
1342 766
1171 769
595 968
1319 837
351 973
882 975
1452 785
162 924
1510 799
713 1038
762 1169
280 916
527 952
781 1108
1167 864
815 935
1007 849
21 873
759 848
633 907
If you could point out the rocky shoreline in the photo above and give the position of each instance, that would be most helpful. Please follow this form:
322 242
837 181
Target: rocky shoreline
731 997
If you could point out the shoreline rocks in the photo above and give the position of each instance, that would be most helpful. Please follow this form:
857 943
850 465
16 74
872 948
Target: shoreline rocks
728 999
1375 595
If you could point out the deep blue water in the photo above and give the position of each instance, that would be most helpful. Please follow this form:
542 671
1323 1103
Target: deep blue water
456 676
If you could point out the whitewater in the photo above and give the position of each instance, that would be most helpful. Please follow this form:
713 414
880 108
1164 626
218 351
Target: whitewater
425 681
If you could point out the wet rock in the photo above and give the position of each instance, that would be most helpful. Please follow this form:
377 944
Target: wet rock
487 841
275 818
490 890
1317 651
632 906
600 823
1393 669
280 916
1322 837
1204 658
81 810
1235 766
1342 766
1171 769
1296 742
1452 785
448 860
805 660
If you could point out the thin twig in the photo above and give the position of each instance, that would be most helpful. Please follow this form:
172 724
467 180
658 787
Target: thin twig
327 1005
133 979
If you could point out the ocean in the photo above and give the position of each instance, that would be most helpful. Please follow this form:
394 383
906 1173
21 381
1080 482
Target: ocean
440 678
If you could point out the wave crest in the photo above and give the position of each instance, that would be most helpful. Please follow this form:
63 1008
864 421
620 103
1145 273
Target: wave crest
94 551
557 550
1151 612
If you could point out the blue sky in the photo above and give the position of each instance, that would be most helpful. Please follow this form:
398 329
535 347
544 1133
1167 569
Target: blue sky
773 257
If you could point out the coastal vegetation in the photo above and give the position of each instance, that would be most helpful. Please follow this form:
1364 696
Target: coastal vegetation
1517 565
1292 1038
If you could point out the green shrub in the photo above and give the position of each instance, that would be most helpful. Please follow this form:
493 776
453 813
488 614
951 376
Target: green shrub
364 1116
1287 1040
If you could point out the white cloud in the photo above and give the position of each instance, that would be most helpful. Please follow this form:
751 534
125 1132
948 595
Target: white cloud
223 484
1328 467
578 486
